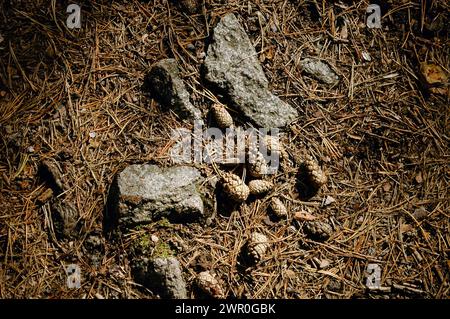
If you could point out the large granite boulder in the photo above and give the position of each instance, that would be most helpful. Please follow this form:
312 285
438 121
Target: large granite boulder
232 66
168 88
141 194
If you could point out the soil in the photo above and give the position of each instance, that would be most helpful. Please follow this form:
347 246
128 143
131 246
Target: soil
380 135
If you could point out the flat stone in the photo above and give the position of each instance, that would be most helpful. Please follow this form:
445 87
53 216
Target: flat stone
232 66
144 193
163 276
319 70
168 88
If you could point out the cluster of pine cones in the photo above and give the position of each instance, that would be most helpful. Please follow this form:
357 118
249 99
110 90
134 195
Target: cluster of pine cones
238 191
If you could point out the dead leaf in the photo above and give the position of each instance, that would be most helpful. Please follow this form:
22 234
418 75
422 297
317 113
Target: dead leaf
433 74
270 53
289 273
419 178
304 216
366 56
426 235
387 187
24 184
328 201
440 91
344 32
262 57
45 196
324 263
268 222
420 213
404 228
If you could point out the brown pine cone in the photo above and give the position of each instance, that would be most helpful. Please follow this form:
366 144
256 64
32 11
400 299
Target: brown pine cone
278 207
221 116
257 166
234 187
315 173
274 145
257 246
318 230
259 187
210 285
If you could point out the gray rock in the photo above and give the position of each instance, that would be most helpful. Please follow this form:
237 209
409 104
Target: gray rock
319 70
167 86
232 65
162 275
145 193
65 218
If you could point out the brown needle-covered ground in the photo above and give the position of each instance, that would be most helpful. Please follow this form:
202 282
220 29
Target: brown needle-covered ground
379 135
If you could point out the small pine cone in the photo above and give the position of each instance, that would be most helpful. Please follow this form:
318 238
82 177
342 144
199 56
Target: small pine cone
221 116
318 230
257 166
278 207
209 284
235 188
274 145
315 173
257 246
259 187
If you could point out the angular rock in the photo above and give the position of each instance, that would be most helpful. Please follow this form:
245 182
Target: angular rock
232 65
319 70
166 85
163 275
145 193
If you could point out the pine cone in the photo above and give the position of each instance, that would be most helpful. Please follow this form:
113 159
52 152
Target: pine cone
259 187
209 284
318 230
257 246
278 207
234 187
257 166
274 145
221 116
315 173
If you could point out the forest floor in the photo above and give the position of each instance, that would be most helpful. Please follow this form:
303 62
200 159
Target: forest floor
380 134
